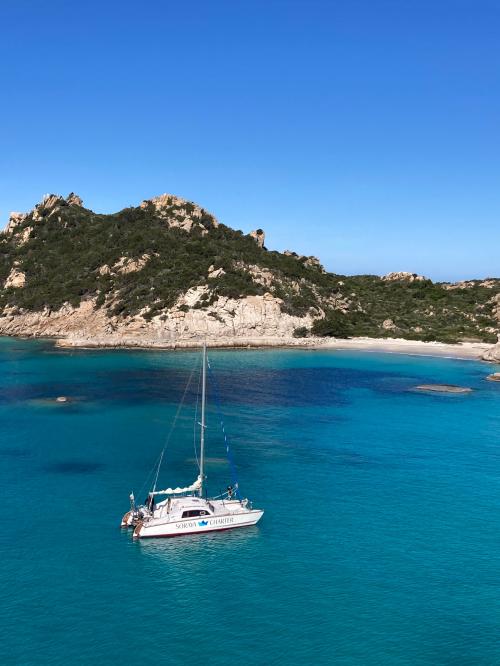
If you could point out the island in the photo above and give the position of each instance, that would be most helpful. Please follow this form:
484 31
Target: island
166 273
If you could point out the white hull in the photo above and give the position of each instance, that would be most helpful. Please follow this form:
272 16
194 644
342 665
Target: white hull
160 528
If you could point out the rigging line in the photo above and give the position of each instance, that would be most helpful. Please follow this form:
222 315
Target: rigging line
173 425
146 482
232 467
149 476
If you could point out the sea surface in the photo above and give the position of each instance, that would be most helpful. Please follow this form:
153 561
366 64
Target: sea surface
380 542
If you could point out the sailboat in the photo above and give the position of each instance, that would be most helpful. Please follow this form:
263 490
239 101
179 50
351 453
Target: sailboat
185 510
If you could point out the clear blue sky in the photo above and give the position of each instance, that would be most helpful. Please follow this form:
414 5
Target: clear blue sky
364 132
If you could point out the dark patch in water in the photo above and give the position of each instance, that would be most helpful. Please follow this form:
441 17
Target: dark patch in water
291 387
74 467
268 387
14 453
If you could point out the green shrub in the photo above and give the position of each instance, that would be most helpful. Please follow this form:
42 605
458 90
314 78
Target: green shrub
333 325
301 332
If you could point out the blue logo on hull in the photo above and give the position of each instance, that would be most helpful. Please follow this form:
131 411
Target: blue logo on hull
203 523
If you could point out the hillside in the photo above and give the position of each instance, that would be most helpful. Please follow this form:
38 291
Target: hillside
168 270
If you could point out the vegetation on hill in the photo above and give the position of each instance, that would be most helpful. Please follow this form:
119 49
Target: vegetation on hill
68 253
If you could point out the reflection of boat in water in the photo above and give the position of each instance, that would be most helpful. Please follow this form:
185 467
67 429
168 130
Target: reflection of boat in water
212 546
185 510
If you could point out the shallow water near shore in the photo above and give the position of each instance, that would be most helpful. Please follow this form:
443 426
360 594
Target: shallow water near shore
379 544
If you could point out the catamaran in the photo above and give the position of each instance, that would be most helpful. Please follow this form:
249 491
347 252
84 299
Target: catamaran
186 510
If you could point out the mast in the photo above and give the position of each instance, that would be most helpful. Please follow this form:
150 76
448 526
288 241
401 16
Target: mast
202 424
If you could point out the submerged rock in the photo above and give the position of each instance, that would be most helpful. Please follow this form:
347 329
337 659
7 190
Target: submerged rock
443 388
54 402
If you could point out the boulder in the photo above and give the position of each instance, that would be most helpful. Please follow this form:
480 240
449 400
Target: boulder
259 236
494 377
74 200
215 272
388 325
493 354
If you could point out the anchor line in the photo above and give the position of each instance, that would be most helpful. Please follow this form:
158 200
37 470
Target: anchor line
195 422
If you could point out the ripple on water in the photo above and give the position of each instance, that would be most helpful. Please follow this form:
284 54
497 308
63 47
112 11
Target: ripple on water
74 467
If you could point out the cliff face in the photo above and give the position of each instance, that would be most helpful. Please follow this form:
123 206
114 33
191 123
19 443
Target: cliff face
167 272
229 321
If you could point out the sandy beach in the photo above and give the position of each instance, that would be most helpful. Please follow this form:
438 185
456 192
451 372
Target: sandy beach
464 350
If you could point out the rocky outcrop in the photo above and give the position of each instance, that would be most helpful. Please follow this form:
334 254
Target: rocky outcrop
16 278
214 273
493 354
125 265
490 283
310 262
180 213
463 284
403 276
313 262
495 302
68 320
74 200
128 265
15 219
49 204
263 276
24 236
259 236
253 316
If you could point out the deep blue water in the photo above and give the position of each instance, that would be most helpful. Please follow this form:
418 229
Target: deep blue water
381 538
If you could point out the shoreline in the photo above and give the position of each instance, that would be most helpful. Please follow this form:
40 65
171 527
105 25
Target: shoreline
464 350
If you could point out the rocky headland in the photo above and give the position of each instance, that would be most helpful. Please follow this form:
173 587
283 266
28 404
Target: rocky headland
167 273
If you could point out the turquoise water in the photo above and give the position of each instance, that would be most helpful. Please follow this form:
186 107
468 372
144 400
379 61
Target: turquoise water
381 538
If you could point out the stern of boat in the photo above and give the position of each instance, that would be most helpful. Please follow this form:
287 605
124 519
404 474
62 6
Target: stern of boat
127 520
